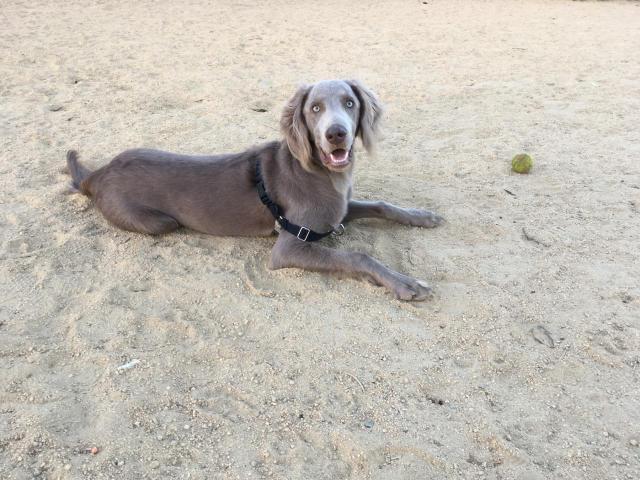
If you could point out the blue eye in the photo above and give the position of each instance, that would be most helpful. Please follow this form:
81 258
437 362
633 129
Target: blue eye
349 103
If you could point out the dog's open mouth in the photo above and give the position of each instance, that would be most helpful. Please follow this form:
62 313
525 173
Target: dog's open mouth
337 158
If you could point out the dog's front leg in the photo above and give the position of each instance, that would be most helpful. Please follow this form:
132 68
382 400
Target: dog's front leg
406 216
290 252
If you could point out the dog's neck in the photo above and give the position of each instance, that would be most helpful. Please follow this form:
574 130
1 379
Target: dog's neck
341 182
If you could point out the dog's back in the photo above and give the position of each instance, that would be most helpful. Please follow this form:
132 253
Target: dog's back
152 191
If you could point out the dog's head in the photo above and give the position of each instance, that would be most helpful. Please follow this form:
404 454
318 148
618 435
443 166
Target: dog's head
321 121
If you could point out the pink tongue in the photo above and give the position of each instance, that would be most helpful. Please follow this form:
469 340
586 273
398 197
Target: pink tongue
338 156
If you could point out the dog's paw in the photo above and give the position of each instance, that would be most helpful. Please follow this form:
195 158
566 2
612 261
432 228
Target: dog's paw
424 218
410 289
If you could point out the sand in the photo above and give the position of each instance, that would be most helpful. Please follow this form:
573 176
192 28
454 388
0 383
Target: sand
524 366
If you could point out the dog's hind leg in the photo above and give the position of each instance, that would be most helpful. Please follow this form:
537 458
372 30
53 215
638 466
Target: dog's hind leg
137 218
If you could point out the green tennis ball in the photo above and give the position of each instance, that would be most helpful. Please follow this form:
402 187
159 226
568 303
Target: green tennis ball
522 163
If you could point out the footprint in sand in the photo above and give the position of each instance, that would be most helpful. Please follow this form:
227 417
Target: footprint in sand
255 277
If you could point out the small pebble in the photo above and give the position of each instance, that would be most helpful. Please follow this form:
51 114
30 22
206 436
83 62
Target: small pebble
55 107
155 464
633 442
368 423
67 467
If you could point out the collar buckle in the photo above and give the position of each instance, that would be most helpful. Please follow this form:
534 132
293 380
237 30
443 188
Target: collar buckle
303 234
339 230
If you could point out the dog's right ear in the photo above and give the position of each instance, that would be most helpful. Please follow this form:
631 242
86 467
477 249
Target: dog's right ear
294 127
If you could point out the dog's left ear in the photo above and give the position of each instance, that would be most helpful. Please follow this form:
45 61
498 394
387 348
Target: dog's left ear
370 113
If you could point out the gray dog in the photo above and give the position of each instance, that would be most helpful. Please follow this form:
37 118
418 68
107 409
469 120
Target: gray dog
303 182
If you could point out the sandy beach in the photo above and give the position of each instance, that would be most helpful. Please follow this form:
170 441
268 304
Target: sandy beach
125 356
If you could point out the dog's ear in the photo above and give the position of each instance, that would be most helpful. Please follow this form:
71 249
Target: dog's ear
294 127
370 113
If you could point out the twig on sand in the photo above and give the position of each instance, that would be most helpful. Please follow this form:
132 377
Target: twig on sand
533 239
129 365
29 254
356 379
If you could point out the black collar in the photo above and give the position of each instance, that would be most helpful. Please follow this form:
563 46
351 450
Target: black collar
300 232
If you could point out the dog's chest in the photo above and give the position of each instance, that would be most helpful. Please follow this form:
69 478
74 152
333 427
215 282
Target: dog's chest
338 199
325 206
342 185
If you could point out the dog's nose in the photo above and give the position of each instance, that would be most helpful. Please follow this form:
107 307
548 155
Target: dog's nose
336 134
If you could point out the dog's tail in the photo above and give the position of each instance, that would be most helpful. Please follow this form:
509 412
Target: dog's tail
77 171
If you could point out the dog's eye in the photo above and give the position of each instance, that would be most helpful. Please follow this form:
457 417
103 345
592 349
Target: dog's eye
316 108
349 103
